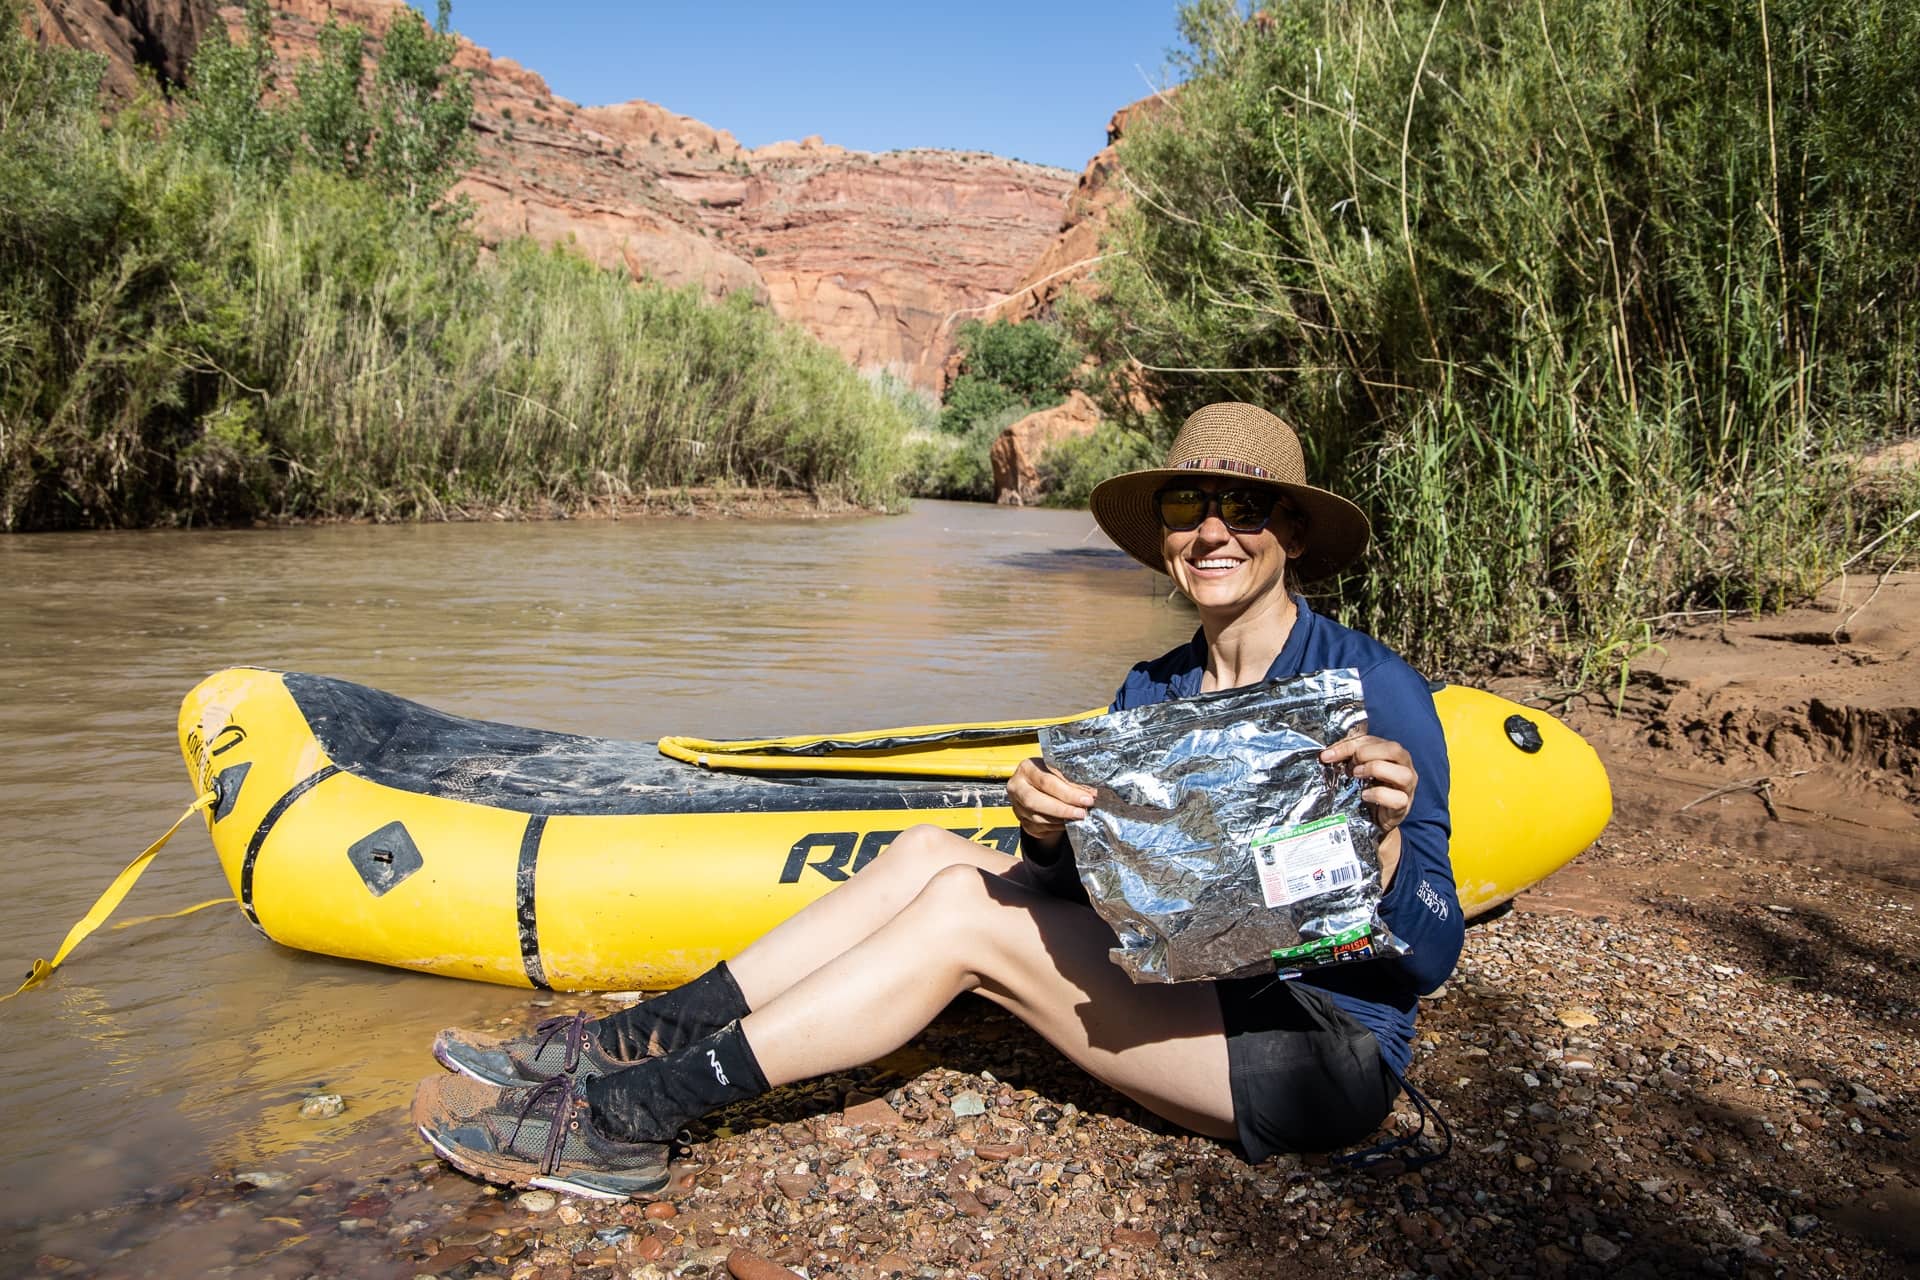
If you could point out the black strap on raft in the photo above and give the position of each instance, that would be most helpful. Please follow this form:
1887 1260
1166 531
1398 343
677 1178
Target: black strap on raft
259 839
1406 1152
525 917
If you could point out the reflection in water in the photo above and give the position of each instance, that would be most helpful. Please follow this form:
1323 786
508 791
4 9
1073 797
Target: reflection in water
185 1045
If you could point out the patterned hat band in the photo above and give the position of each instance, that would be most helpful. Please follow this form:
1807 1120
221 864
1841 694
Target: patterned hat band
1225 464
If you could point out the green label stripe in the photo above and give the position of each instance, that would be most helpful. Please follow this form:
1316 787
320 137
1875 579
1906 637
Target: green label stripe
1305 828
1318 945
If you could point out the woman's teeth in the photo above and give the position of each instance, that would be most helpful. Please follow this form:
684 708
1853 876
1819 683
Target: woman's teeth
1216 564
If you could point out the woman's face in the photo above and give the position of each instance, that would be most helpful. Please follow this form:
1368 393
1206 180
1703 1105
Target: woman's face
1227 573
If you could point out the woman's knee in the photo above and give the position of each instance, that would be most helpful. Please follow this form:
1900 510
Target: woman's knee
982 922
923 851
958 898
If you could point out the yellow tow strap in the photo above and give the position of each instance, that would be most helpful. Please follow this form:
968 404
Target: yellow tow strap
173 915
122 884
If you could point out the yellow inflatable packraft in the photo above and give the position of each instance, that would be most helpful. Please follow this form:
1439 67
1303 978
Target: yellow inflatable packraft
354 823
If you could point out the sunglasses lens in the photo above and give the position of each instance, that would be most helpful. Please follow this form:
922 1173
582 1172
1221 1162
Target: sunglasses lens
1246 510
1181 509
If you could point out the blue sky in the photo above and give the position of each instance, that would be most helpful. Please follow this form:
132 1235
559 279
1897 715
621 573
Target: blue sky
1035 80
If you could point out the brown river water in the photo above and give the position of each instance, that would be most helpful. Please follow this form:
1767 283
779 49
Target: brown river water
175 1047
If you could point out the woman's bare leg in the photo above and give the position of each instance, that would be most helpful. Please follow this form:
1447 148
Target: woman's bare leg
837 921
1043 959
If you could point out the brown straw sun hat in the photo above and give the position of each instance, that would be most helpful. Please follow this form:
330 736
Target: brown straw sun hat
1232 441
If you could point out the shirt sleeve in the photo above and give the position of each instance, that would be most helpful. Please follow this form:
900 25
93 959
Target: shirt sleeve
1054 869
1421 906
1136 689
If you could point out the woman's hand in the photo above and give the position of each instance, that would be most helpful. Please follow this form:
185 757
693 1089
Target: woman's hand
1045 802
1388 770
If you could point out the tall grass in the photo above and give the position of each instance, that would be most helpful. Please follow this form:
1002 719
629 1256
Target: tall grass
181 344
424 378
1592 304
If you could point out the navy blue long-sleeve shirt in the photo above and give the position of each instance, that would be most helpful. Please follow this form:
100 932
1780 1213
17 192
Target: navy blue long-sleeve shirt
1420 906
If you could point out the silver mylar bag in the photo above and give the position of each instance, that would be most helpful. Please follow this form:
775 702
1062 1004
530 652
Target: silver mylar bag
1219 844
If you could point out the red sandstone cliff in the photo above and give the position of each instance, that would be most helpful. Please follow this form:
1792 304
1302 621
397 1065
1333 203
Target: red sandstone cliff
1072 257
876 254
133 35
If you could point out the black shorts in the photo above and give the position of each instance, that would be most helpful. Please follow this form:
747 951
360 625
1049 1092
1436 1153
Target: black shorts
1305 1075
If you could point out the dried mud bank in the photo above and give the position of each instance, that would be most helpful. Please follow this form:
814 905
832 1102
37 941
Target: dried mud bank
1795 736
1691 1053
1830 687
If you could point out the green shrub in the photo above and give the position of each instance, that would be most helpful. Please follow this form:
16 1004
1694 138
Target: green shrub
1007 371
971 400
959 466
1072 467
227 116
407 132
1032 359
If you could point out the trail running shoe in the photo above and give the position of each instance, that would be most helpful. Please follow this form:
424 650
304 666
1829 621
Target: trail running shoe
539 1136
559 1046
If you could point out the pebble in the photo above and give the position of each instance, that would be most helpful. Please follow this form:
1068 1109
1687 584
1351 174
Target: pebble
536 1201
1575 1017
969 1103
322 1106
742 1265
795 1186
261 1179
874 1111
1598 1248
661 1210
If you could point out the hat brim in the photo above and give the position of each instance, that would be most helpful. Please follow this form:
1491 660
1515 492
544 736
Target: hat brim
1337 531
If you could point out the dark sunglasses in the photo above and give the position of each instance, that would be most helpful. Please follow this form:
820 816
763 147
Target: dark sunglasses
1185 507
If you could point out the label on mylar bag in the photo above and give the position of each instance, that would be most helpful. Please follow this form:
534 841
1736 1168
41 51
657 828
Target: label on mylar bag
1305 861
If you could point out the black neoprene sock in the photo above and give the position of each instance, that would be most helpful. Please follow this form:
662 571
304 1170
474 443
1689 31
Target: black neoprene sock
675 1018
652 1101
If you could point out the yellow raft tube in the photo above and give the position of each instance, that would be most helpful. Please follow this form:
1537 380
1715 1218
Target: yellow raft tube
357 824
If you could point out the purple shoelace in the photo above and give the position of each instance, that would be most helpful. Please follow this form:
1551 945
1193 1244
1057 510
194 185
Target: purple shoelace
562 1086
575 1027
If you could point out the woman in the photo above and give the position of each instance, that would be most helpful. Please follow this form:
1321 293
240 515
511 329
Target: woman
1313 1064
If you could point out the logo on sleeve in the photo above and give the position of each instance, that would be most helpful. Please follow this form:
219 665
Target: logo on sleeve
1433 900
